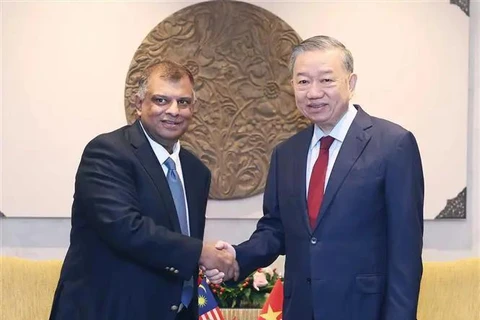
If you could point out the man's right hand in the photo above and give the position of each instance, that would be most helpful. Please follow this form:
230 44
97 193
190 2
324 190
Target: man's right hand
216 276
222 261
222 245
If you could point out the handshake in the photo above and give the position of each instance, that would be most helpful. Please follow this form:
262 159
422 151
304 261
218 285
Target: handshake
218 262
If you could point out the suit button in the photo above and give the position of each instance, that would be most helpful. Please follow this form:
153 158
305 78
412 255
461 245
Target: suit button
309 280
172 269
176 271
313 240
174 308
167 268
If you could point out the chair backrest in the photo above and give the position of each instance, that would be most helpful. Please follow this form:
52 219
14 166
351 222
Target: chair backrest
450 290
27 288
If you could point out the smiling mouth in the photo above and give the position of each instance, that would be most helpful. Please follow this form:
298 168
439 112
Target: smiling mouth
317 105
171 123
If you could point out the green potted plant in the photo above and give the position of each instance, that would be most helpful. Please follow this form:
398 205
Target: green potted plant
245 299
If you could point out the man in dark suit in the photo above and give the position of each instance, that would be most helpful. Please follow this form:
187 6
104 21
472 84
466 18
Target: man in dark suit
138 214
343 202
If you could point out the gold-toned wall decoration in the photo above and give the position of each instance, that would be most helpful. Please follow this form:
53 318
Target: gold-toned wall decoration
238 54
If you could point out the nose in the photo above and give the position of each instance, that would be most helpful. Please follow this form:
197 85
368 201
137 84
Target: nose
173 108
315 91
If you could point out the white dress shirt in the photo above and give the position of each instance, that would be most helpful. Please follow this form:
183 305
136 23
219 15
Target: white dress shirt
162 154
338 132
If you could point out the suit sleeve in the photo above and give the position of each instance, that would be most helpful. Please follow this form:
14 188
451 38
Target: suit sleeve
404 192
105 187
268 240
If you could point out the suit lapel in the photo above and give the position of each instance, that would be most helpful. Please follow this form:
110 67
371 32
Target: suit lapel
149 161
351 149
299 174
190 183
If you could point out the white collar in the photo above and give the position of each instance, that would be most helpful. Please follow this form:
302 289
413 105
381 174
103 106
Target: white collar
339 132
160 151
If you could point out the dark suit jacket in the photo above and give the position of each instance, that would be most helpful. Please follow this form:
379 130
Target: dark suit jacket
127 257
362 261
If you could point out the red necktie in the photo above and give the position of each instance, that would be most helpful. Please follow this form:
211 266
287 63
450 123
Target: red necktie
317 180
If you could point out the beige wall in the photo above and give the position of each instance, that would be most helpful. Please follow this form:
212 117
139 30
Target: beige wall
1 110
64 67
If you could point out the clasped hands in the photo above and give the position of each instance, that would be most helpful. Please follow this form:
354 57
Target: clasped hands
219 262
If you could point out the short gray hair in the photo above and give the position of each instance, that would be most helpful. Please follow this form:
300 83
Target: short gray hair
322 43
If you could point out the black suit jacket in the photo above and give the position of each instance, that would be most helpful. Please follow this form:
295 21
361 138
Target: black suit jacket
127 257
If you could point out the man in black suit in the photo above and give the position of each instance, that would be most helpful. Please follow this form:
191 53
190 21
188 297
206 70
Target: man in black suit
138 214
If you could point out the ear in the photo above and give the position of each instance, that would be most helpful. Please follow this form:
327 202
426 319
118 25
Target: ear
138 105
352 83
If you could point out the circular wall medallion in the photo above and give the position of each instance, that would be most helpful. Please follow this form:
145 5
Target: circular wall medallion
238 54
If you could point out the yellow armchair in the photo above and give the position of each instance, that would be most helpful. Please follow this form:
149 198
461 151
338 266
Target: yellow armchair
27 287
449 290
